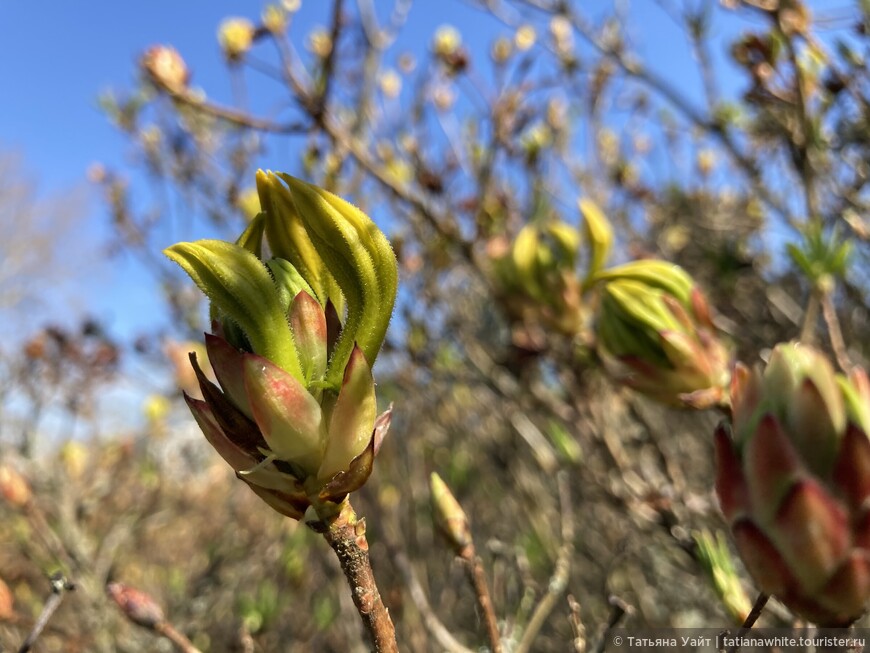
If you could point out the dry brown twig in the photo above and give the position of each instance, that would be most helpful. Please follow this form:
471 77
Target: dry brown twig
431 621
477 577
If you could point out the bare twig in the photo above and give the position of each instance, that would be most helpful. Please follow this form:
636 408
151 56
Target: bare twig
559 580
477 576
431 621
180 642
755 613
829 312
751 618
329 62
697 24
346 534
577 626
811 316
803 145
618 610
633 68
382 37
246 642
232 116
59 586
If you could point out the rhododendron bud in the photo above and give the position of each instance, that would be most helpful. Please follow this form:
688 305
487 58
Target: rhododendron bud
448 515
656 335
537 279
793 480
294 411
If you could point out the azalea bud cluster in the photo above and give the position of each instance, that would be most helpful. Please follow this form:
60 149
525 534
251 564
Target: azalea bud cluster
300 306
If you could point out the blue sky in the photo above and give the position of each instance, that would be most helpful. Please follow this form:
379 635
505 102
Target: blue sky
55 59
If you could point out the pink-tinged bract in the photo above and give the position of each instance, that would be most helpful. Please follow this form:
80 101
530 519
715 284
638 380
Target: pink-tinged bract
793 481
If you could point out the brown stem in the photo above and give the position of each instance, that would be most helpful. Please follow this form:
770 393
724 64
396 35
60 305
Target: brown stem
477 576
232 116
181 642
59 586
751 618
618 610
346 534
829 312
804 145
811 316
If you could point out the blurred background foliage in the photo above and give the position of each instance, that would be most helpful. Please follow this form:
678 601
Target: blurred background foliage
751 174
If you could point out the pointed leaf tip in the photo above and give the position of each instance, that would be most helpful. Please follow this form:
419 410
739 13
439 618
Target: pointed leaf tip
240 287
352 421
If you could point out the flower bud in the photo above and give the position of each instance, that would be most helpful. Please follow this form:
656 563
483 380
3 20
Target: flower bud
137 606
236 35
656 335
450 518
275 19
446 41
14 488
792 481
536 277
166 68
7 601
525 37
294 411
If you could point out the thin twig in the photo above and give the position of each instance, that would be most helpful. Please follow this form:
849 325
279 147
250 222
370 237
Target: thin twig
835 334
559 580
329 62
751 618
432 623
811 317
346 534
246 642
180 642
757 609
618 610
141 609
233 116
632 67
577 626
59 586
698 31
804 145
477 576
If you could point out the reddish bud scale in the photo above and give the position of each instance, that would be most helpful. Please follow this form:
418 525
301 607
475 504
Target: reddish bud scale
793 481
137 606
293 411
656 335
